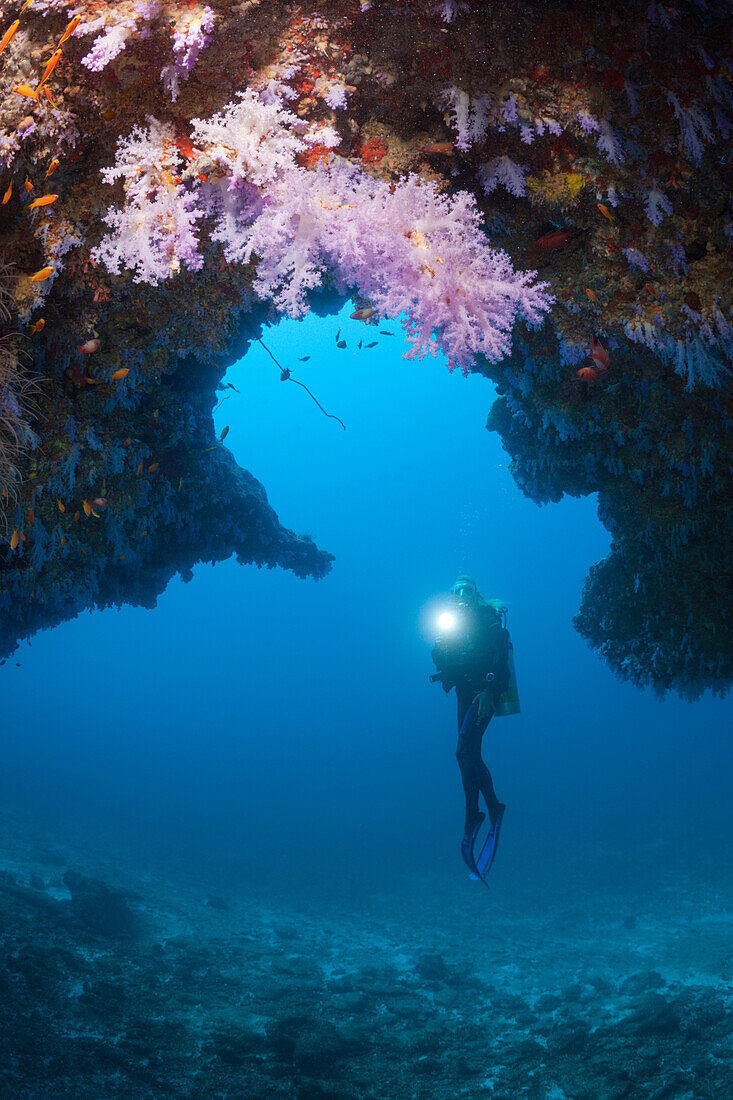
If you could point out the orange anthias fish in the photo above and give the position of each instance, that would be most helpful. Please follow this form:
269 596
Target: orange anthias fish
9 34
28 184
599 355
119 374
53 62
45 200
592 295
70 29
48 97
39 325
8 193
52 167
14 539
26 90
605 211
42 275
87 507
589 374
89 346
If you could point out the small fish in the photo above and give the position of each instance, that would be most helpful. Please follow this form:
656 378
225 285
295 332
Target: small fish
338 335
87 507
14 539
155 414
340 343
62 507
224 433
70 29
592 295
52 167
9 34
600 356
359 345
39 325
28 184
362 314
31 515
180 486
139 470
122 557
26 90
119 374
63 541
53 62
383 332
48 97
26 5
89 347
304 359
442 148
589 374
42 275
8 193
229 386
143 534
45 200
99 502
152 467
548 242
372 345
605 211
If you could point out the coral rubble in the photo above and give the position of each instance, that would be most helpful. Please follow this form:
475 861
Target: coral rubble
541 190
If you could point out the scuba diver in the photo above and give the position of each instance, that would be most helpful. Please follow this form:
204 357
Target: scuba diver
473 655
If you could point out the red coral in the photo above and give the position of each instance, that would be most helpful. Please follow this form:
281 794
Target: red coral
312 155
373 150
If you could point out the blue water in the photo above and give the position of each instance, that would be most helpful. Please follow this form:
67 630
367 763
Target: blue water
287 727
230 826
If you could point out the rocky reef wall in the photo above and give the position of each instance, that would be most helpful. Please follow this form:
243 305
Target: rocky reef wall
543 191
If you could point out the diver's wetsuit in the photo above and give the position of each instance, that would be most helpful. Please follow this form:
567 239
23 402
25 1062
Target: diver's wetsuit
463 662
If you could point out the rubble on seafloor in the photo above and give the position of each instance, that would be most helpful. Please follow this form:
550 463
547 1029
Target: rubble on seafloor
175 175
119 979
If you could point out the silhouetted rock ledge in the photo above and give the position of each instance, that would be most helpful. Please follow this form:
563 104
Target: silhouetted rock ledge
543 189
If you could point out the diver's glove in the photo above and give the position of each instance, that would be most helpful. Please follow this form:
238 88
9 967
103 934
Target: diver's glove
485 700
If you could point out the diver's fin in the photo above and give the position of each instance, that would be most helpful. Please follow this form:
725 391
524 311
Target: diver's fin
467 845
488 852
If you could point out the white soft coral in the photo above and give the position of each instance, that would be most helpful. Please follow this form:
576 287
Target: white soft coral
155 230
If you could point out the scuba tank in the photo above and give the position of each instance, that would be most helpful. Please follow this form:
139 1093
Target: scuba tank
508 702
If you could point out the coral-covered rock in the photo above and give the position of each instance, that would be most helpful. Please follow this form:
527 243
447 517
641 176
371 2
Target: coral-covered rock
541 191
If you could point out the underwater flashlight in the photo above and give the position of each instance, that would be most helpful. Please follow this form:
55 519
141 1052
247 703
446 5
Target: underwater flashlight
446 621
